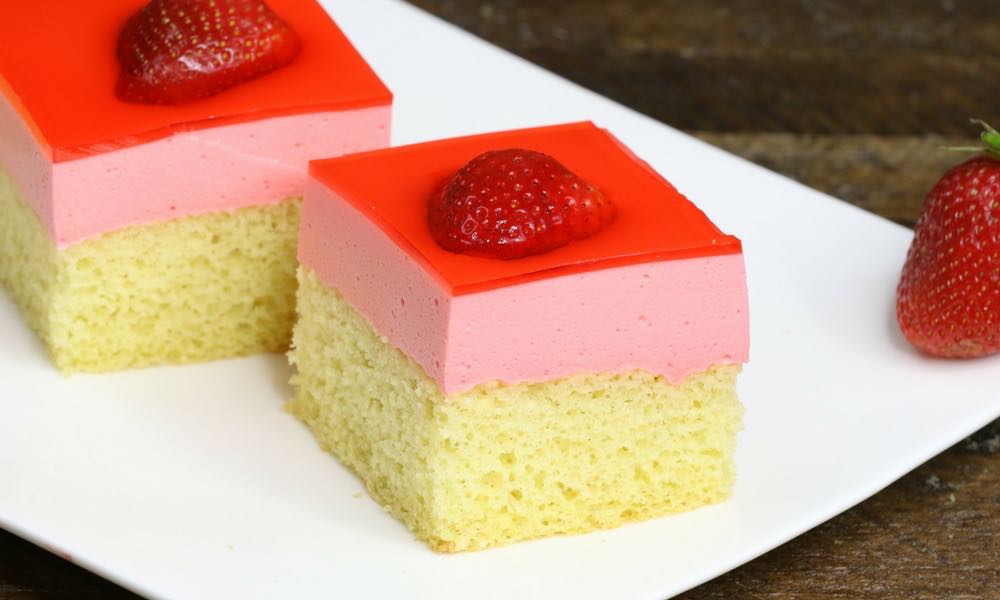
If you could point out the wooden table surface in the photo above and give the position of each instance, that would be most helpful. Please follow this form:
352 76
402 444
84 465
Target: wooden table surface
855 98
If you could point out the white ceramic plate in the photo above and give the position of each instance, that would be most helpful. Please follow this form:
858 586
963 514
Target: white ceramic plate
192 483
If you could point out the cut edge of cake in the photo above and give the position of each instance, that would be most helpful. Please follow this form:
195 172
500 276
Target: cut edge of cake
505 463
186 290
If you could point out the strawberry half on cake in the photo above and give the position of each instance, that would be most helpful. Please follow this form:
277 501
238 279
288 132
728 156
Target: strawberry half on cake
518 334
153 155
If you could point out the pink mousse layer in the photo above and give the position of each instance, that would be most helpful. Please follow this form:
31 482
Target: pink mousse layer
216 169
673 318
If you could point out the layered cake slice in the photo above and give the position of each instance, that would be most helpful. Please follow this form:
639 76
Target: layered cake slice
152 161
519 334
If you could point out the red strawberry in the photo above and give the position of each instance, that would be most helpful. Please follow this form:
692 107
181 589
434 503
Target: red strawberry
174 51
948 300
515 203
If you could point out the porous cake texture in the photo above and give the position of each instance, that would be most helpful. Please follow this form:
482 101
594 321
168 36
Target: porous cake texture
186 290
502 463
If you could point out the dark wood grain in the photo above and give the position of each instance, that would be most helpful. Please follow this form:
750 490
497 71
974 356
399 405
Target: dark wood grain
29 573
802 66
855 98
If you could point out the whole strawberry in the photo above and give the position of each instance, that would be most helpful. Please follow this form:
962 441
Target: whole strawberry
514 203
175 51
948 300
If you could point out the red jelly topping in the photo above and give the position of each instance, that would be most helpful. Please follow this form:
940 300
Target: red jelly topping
58 68
654 221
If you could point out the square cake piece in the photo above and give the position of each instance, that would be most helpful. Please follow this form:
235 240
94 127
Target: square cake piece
486 401
137 234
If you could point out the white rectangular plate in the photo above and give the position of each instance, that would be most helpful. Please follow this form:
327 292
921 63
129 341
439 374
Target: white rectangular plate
192 483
